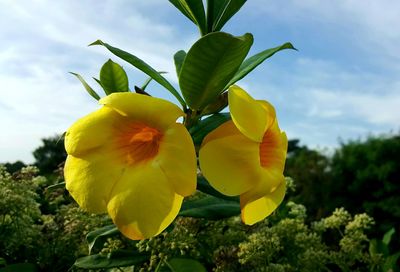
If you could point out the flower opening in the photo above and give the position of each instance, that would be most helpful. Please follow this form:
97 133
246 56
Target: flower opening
138 142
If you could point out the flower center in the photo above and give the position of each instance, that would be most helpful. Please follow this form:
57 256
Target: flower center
139 142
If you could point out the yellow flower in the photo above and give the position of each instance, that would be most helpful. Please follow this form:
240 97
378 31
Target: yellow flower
131 159
246 156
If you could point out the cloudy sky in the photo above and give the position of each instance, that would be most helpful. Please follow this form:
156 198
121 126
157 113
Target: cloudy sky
343 83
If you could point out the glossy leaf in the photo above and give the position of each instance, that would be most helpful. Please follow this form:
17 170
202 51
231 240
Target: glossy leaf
220 11
98 237
205 126
209 65
86 86
179 57
119 258
251 63
194 10
183 265
210 207
113 78
142 66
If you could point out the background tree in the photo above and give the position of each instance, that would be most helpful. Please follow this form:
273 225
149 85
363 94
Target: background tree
50 154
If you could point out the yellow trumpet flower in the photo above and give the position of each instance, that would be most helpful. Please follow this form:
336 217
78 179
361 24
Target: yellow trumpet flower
131 159
246 156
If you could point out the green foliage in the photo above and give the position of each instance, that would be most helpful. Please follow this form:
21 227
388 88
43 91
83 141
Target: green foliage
310 169
209 65
113 78
51 240
284 242
19 214
360 176
14 166
142 66
210 207
86 86
50 155
252 62
366 176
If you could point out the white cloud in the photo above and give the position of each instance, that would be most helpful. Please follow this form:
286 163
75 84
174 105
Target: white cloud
43 40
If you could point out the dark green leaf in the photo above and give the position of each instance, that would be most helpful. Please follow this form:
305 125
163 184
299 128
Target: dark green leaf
205 187
97 237
120 258
20 267
210 207
251 63
220 11
179 57
391 262
142 66
87 87
184 265
98 81
209 65
194 10
218 105
378 247
205 126
388 236
113 78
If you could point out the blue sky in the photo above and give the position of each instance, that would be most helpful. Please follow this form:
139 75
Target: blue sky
343 83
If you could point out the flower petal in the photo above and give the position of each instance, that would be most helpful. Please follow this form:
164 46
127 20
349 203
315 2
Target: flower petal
91 131
255 210
147 109
230 162
177 159
143 202
249 115
273 148
89 179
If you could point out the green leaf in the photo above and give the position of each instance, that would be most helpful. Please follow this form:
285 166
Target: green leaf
119 258
391 262
251 63
184 265
113 78
147 82
20 267
179 57
388 236
194 10
97 237
205 126
218 105
56 186
220 11
205 187
87 87
210 64
210 207
142 66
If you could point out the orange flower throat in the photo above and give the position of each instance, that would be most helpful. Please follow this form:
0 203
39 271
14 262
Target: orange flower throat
139 142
